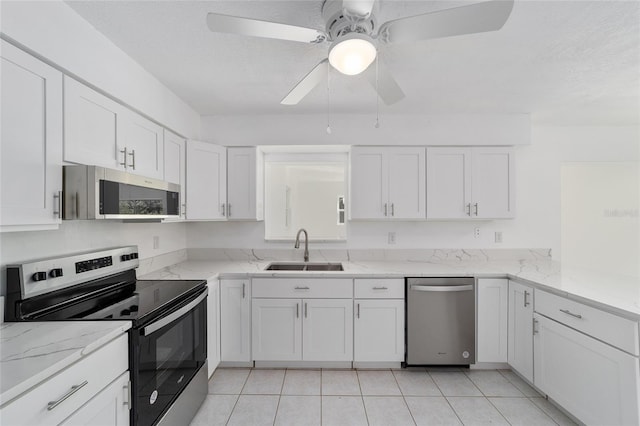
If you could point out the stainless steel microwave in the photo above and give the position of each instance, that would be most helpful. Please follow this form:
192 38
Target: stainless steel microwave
92 192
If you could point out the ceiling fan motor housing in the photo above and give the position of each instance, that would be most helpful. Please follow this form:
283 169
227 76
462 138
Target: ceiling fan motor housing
341 21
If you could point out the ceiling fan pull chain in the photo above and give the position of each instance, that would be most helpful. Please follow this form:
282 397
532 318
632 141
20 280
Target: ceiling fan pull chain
328 72
377 125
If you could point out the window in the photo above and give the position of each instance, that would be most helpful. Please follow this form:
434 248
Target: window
305 190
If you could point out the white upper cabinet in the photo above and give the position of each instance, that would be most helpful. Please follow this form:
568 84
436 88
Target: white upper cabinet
143 144
245 188
31 149
206 181
470 183
175 171
387 183
99 131
90 127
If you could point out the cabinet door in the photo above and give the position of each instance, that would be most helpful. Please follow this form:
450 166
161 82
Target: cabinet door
235 321
492 320
493 183
595 382
213 326
406 183
379 330
110 407
520 329
31 131
448 183
369 183
144 145
175 164
327 330
206 181
242 184
90 127
276 329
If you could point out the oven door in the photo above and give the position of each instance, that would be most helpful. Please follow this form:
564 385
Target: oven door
166 354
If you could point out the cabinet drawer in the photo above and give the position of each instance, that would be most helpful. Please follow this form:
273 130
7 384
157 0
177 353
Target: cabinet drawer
326 288
98 370
379 288
617 331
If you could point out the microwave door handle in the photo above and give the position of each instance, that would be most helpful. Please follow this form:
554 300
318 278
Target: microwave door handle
174 315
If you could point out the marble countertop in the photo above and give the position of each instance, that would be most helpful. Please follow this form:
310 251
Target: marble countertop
616 294
31 352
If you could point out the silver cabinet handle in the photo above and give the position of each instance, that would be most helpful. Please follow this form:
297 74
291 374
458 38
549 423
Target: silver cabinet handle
301 288
535 326
385 209
443 288
476 206
124 157
306 310
469 209
228 210
222 207
128 389
358 310
184 209
297 310
568 312
57 199
75 388
133 159
174 315
526 303
244 292
393 211
380 288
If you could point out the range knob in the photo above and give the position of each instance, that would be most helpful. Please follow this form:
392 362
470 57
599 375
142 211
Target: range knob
55 273
39 276
125 257
134 255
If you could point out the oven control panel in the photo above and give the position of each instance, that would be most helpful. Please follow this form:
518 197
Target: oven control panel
47 275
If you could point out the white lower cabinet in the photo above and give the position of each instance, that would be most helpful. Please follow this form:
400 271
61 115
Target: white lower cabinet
108 408
213 326
302 330
98 381
235 321
520 329
492 320
595 382
379 330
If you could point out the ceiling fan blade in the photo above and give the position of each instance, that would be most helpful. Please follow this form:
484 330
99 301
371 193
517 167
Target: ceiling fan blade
387 87
316 76
361 8
476 18
256 28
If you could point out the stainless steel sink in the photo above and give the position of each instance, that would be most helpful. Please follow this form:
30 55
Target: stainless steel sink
283 266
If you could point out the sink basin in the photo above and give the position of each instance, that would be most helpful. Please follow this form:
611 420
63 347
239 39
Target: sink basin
305 267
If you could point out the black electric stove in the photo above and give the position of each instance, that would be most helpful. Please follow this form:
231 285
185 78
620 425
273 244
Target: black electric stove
168 336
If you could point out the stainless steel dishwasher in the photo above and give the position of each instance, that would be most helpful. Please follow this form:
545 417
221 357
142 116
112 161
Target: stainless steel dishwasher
441 321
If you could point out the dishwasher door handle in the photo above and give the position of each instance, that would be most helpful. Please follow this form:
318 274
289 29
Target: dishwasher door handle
442 288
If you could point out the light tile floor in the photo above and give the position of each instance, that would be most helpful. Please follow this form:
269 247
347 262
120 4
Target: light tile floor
414 396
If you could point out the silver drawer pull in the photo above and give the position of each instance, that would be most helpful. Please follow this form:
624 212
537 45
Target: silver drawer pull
301 288
381 288
75 388
568 312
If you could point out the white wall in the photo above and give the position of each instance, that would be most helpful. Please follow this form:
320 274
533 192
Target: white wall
538 202
57 33
358 129
85 235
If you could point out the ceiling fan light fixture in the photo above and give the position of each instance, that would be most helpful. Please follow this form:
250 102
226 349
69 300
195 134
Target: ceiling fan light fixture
352 53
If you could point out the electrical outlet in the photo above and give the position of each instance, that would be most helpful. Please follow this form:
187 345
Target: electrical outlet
392 238
156 242
476 233
498 236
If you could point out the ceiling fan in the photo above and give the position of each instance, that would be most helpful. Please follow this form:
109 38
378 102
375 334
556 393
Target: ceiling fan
354 34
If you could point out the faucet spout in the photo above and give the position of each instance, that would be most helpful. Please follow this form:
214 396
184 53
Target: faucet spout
306 243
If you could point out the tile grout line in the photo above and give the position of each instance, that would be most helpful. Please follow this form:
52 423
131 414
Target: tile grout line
403 397
543 411
364 407
284 377
445 398
238 398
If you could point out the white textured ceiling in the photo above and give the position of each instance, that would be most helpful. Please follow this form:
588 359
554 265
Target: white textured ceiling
573 62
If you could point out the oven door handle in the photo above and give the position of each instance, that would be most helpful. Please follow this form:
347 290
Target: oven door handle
151 328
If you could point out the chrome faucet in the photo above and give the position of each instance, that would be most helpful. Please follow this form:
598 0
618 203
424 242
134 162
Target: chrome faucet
306 243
